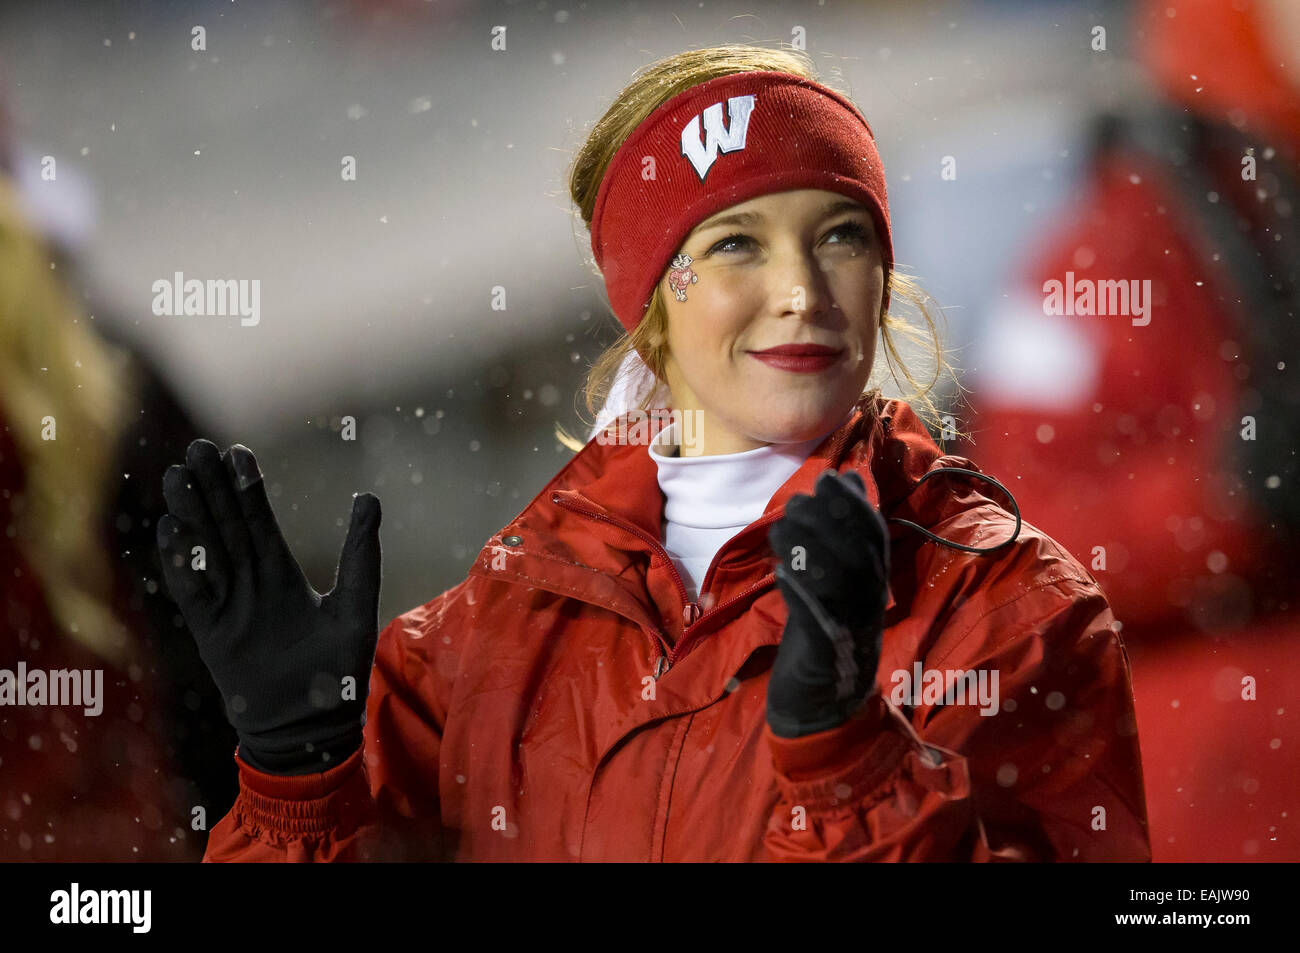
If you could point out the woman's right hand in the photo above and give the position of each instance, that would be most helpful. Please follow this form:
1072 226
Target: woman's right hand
293 666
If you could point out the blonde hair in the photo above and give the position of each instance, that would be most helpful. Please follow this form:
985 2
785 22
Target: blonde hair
652 86
52 365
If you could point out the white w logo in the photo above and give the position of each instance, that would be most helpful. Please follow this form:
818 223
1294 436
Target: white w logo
702 155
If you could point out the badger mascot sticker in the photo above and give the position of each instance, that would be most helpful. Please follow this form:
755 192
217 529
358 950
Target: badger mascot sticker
680 276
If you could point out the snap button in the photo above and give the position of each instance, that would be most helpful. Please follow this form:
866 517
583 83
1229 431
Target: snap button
512 540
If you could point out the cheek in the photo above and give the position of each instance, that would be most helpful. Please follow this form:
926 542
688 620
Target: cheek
709 323
864 286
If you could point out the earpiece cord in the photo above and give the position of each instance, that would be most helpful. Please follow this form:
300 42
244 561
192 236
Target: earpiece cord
949 543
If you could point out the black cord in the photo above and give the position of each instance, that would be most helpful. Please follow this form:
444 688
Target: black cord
949 543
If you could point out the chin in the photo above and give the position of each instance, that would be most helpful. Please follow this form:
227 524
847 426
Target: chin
795 426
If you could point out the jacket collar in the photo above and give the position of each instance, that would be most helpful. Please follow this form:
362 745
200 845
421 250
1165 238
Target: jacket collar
602 512
882 439
623 481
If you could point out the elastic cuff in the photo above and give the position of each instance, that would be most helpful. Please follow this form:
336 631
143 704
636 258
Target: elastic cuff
842 763
302 805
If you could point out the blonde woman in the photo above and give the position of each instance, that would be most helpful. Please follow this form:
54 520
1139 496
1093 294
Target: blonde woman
84 426
788 628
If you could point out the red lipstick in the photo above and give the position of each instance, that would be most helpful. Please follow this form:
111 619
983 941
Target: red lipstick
804 358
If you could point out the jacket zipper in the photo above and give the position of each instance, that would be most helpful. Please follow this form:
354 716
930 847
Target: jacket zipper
692 612
679 650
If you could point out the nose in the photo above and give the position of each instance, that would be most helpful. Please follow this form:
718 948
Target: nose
801 286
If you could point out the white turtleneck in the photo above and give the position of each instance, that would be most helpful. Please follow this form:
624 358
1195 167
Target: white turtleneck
710 499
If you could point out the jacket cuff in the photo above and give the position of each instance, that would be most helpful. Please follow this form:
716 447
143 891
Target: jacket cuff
842 764
299 806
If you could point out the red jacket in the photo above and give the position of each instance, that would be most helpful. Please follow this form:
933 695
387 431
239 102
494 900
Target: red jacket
564 702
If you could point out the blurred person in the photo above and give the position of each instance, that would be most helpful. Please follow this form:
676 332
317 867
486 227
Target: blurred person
1161 448
84 426
720 599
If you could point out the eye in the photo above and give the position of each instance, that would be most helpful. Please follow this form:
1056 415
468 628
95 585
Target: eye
739 238
857 232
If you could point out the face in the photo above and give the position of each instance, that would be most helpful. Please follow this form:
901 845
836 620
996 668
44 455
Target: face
796 269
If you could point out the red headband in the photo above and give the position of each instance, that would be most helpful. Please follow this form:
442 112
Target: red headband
782 132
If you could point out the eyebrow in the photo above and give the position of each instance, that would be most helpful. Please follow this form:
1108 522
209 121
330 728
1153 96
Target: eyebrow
753 218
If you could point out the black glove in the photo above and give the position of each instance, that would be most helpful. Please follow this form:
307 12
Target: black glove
277 649
835 591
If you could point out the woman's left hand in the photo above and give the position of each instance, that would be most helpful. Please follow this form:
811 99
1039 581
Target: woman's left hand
834 552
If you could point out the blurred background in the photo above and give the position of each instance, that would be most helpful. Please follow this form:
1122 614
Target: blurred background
129 156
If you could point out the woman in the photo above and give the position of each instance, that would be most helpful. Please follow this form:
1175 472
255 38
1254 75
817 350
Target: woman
622 676
82 419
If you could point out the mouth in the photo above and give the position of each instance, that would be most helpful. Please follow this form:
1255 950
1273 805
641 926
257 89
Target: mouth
801 358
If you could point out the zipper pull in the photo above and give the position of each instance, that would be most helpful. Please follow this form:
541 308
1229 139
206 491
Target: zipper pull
661 666
691 612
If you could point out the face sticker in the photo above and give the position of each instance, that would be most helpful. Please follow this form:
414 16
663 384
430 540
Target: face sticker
680 276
